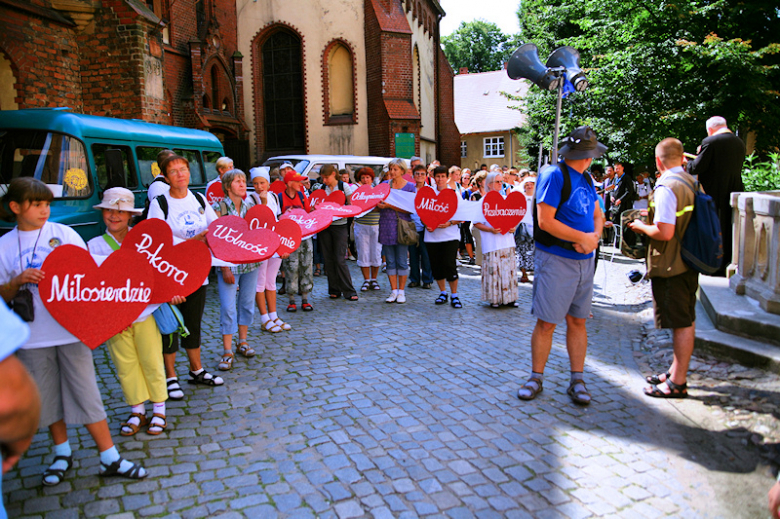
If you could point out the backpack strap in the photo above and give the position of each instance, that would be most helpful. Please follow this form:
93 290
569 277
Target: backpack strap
544 237
163 202
223 208
201 199
111 242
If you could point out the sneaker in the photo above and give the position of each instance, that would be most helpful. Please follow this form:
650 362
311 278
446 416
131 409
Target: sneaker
392 299
401 299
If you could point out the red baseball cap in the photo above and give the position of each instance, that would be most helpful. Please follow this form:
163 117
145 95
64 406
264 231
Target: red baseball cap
293 176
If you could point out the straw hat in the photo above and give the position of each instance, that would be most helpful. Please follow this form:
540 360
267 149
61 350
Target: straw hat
120 199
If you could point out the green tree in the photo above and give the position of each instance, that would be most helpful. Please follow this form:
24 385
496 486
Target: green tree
660 68
479 45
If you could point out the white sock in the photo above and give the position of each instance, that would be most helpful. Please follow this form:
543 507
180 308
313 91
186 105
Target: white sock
140 408
111 455
454 294
159 408
63 449
400 292
264 318
395 292
274 316
198 372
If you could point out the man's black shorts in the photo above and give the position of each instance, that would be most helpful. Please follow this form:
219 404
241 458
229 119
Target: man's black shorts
674 300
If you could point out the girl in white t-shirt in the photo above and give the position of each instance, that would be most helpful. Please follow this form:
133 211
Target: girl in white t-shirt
61 365
266 274
499 276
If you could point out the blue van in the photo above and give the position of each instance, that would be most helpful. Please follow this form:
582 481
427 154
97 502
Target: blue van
80 156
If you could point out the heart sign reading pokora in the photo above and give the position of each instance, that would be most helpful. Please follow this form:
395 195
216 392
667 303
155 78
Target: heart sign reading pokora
367 197
179 270
435 209
231 239
260 216
310 223
504 213
95 303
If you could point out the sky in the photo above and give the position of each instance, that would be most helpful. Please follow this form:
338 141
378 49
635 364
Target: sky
500 12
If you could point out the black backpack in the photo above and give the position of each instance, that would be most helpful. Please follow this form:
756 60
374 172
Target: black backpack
544 237
701 246
164 206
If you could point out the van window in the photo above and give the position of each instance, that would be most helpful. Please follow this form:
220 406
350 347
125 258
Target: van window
57 159
210 163
147 163
129 178
196 167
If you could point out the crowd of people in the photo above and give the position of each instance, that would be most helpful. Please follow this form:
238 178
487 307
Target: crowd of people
572 201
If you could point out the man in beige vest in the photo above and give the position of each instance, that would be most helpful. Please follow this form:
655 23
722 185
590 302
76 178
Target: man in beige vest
674 284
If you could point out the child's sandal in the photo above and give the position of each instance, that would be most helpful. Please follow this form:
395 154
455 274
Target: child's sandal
245 350
156 428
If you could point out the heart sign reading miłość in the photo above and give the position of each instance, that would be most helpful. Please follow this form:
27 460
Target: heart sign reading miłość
504 213
310 223
367 197
95 303
435 209
179 270
230 239
260 216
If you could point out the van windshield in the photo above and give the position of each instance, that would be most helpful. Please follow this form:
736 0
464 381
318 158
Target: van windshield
57 159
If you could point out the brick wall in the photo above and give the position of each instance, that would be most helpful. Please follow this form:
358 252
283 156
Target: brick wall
44 55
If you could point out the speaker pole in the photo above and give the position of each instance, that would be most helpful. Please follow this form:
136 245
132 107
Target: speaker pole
557 123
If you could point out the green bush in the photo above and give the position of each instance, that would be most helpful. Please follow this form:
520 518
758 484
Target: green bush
761 176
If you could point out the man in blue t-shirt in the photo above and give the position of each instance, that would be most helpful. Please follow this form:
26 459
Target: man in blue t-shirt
566 237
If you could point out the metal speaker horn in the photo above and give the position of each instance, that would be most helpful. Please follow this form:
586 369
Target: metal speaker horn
569 58
525 63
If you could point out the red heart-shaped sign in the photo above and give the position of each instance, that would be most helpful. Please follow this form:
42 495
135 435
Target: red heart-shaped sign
504 213
277 186
367 197
95 303
344 211
230 239
435 209
289 232
179 270
215 193
316 197
310 223
408 177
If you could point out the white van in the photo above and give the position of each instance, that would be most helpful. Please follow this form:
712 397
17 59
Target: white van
310 165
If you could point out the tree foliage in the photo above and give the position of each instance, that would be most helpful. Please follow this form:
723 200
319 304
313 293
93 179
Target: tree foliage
479 46
660 68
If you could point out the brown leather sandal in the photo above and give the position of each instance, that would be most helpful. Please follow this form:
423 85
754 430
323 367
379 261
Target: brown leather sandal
157 426
133 427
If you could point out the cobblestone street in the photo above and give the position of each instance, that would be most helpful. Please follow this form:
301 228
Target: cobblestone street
375 410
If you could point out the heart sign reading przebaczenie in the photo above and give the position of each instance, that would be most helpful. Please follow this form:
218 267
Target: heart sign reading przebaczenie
504 213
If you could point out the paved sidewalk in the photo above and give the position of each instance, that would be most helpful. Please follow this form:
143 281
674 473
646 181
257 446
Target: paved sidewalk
369 409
